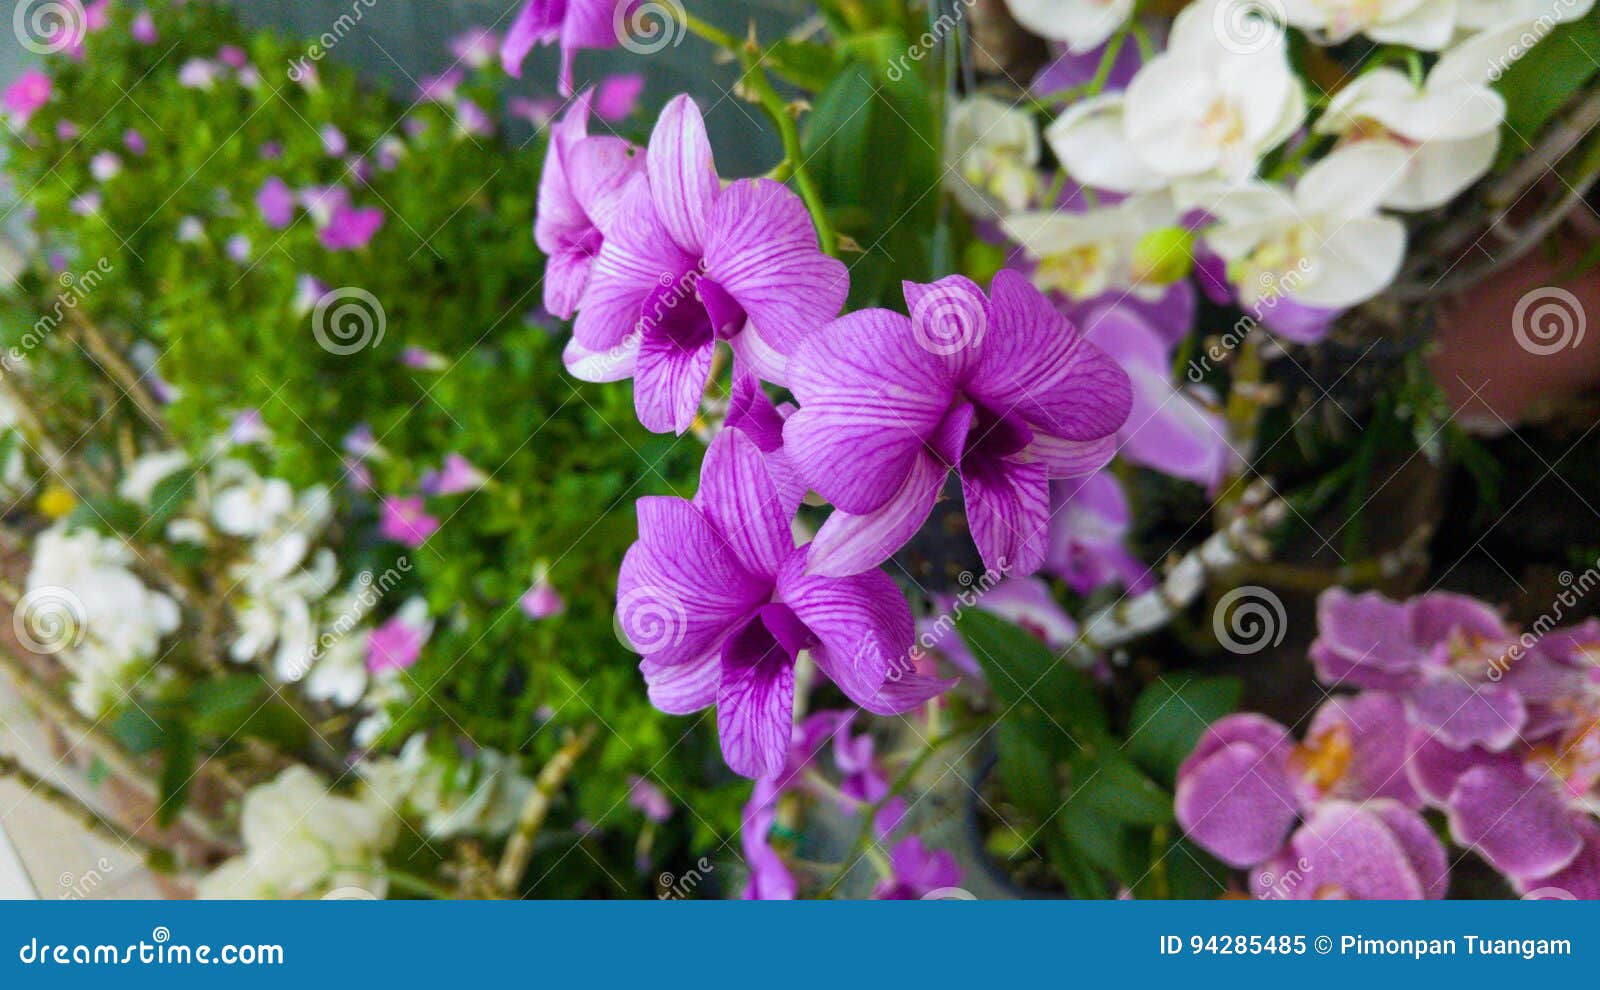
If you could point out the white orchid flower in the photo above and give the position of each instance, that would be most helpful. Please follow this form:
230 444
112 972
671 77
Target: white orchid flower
1449 128
1209 107
992 149
1424 24
1084 254
1324 244
1082 25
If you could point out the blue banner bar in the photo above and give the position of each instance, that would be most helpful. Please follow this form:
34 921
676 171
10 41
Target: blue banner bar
807 945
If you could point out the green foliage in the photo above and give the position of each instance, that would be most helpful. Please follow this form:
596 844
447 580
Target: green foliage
1099 801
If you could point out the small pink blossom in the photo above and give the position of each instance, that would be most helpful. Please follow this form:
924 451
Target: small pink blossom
29 92
406 520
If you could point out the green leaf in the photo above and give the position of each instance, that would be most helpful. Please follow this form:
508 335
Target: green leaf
1170 716
804 63
137 732
1021 669
219 705
177 769
1025 767
1540 83
1119 792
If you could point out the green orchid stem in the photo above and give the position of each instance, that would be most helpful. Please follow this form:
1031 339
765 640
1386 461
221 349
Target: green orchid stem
792 167
793 157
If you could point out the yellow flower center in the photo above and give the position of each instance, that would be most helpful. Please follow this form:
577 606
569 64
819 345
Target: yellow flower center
1325 758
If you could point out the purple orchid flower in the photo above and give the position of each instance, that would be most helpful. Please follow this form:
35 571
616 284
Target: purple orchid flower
1089 522
770 879
350 228
1376 850
143 28
542 600
276 201
1002 390
863 778
440 88
1247 782
1447 655
477 46
583 181
752 412
456 476
406 520
649 799
398 643
570 24
716 597
687 263
135 143
917 872
618 96
29 92
1170 429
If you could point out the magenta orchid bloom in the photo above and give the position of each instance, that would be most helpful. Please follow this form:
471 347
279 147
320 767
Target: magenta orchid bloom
917 872
476 46
752 412
276 201
143 28
27 93
350 228
406 520
716 597
1247 782
398 643
570 24
1089 522
1447 655
1376 850
583 181
1002 390
686 264
1170 430
456 476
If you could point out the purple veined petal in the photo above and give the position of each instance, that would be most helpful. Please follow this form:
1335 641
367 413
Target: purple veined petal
580 194
636 260
869 399
900 694
1008 513
752 412
951 319
1464 714
611 365
762 248
1514 820
1234 801
1350 851
683 688
1364 640
566 275
738 496
669 380
683 176
680 590
1367 734
1071 458
755 701
1036 365
536 23
862 622
754 358
849 544
1578 880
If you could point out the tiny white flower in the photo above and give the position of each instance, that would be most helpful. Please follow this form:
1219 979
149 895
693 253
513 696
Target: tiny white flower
149 471
1424 24
1449 128
1084 254
1324 244
992 149
252 507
